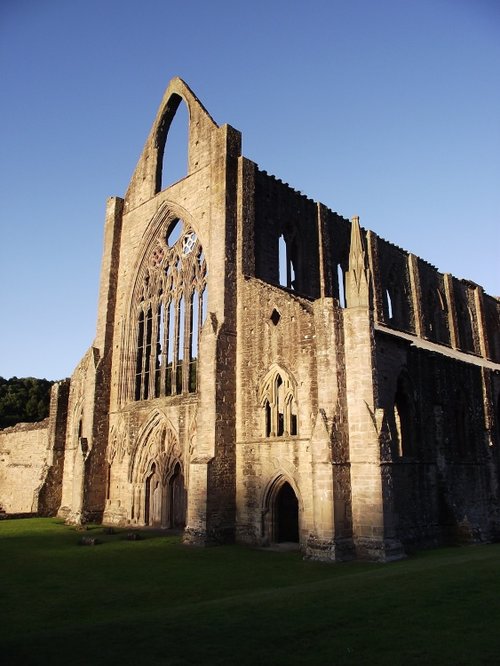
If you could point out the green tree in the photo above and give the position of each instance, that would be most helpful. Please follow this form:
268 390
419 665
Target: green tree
23 399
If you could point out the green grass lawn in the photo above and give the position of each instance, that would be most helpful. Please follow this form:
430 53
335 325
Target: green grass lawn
155 601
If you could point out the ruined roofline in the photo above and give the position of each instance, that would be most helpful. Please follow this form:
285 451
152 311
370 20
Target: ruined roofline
365 231
297 192
140 190
305 302
438 348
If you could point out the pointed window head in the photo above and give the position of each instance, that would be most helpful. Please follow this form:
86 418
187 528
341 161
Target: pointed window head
173 143
174 232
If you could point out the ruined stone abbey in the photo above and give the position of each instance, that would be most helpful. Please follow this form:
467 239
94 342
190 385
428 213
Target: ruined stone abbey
265 370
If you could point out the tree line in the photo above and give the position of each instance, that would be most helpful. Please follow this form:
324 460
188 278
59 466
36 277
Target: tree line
23 400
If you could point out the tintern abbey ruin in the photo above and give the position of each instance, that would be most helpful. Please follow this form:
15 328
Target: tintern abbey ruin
266 371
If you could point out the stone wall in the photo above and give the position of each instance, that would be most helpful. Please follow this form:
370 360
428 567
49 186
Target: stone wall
339 378
24 458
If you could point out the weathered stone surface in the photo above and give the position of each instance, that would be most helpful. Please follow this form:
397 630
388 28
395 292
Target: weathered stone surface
265 370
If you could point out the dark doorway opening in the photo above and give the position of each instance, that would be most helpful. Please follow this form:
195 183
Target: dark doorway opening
177 518
287 515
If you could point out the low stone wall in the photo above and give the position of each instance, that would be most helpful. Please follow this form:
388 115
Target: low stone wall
23 466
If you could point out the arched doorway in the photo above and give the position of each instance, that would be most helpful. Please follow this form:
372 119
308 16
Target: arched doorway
286 514
157 474
176 509
165 498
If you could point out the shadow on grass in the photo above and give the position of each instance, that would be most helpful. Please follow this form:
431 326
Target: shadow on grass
158 602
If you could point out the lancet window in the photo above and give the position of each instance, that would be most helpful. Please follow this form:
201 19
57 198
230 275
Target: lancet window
170 308
279 405
287 261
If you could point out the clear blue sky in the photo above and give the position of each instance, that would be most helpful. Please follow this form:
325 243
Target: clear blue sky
386 109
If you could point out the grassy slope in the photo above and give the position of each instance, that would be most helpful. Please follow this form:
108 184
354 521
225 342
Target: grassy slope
158 602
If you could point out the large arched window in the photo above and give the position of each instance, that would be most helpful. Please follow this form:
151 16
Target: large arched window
173 141
279 404
170 307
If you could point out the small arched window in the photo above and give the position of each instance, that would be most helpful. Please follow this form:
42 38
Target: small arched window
279 405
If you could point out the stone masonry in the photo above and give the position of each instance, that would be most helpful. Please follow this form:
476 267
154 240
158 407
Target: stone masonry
267 371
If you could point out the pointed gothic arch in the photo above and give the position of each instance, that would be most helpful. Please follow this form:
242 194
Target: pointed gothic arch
281 510
289 259
146 180
168 306
172 139
279 404
156 472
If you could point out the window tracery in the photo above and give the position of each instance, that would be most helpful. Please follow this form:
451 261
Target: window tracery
279 404
170 308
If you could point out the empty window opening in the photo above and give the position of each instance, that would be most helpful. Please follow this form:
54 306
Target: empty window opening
147 355
174 162
340 278
388 302
282 261
293 418
267 410
291 278
279 405
193 340
287 262
275 317
181 332
174 232
293 262
160 347
140 356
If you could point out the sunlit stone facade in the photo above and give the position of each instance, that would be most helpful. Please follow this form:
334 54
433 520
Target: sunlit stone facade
267 371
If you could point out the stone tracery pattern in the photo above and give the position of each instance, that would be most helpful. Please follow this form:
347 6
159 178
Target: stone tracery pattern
159 445
277 396
156 459
170 307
